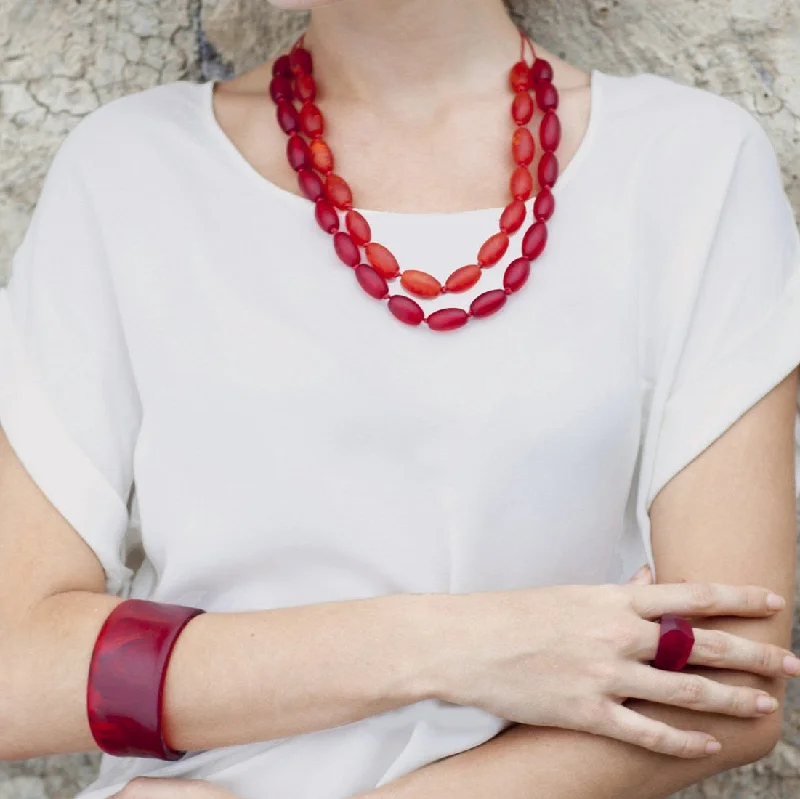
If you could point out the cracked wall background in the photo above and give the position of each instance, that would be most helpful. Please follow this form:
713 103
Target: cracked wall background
60 59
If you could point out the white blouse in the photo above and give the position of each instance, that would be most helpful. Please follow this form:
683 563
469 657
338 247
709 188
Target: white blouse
185 363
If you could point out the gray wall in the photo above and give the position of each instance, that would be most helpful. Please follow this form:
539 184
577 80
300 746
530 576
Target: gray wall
59 59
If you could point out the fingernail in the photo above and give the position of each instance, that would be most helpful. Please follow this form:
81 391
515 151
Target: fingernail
766 704
775 602
791 665
712 747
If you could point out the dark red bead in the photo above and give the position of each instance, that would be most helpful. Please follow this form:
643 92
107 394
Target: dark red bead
513 217
447 319
544 205
493 249
521 183
373 283
541 70
522 108
546 96
488 303
523 148
338 191
305 87
301 61
282 67
516 275
535 240
676 639
310 184
358 227
346 249
311 120
406 310
550 131
520 77
280 88
298 153
548 169
327 217
287 117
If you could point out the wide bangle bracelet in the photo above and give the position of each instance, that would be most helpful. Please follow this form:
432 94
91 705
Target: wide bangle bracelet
125 691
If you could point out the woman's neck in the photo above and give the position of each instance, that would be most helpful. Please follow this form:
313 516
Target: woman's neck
394 52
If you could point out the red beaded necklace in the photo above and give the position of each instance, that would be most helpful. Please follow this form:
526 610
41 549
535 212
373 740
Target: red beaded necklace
312 159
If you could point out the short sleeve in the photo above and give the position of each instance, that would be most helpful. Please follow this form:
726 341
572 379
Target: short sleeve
736 332
68 400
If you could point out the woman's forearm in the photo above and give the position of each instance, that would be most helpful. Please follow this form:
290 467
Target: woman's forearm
234 678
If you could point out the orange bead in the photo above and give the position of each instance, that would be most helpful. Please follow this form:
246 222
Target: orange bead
523 147
420 283
311 120
493 250
338 192
382 260
520 77
522 108
358 227
463 279
521 183
513 217
321 156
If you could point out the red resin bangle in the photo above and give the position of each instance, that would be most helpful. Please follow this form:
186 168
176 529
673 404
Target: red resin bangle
125 691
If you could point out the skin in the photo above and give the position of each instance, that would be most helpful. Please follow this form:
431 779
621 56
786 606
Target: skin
432 74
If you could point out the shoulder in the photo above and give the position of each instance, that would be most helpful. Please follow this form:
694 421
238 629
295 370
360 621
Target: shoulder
133 127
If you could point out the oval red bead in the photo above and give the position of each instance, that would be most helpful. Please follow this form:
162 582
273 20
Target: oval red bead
406 310
493 249
346 249
548 169
282 67
311 120
287 117
521 183
516 275
358 227
298 153
546 96
420 283
541 70
305 87
523 148
488 303
338 191
535 239
550 131
513 217
321 155
447 319
300 60
383 261
372 282
520 77
280 88
327 217
544 205
310 184
522 108
463 279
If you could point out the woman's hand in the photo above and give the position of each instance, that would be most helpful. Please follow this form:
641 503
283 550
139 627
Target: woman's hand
154 788
569 656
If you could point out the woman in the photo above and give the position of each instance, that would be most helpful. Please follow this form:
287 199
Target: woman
407 547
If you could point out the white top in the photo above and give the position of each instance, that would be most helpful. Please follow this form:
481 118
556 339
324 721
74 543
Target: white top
178 332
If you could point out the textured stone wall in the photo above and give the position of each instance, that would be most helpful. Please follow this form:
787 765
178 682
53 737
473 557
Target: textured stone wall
60 59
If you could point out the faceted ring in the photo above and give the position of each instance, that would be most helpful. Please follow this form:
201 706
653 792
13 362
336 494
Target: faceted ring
675 642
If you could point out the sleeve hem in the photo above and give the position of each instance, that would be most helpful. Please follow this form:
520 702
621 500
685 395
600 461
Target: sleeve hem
56 463
702 411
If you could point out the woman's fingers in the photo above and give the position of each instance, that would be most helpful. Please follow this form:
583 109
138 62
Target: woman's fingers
624 724
691 691
703 599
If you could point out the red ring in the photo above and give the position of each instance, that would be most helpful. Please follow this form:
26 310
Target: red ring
675 643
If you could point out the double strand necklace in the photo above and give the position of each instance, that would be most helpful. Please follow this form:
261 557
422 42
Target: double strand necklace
294 91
